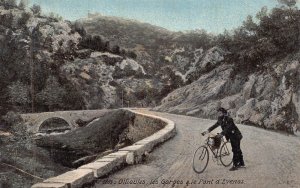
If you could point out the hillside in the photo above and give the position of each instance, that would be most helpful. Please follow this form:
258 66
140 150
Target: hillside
125 32
50 64
258 79
157 49
108 62
266 99
252 75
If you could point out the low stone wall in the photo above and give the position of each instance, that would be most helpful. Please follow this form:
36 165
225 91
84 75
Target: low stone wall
144 124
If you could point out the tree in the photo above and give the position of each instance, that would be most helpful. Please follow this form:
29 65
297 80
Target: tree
289 3
23 19
10 3
18 94
23 4
35 35
52 95
55 16
93 42
7 20
224 40
250 26
281 27
107 46
36 9
78 27
131 54
97 43
196 38
116 49
262 13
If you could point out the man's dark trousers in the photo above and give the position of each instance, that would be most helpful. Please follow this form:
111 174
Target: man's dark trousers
237 152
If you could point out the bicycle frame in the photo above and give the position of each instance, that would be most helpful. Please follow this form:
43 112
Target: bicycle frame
215 152
201 155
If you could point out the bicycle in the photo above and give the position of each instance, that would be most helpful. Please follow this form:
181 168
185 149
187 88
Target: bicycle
201 155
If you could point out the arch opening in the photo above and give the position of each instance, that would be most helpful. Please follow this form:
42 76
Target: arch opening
54 124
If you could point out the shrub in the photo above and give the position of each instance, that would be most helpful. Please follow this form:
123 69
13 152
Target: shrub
52 95
12 118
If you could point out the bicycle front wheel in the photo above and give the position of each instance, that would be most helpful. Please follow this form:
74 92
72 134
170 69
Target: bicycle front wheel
200 159
226 154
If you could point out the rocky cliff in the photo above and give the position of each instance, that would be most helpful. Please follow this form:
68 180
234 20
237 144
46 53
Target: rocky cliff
56 62
268 98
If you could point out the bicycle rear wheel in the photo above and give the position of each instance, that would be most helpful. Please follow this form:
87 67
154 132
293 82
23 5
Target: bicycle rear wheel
226 154
200 160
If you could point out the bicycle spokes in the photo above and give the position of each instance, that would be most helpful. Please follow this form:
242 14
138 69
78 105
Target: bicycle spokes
225 155
200 160
225 152
222 155
203 153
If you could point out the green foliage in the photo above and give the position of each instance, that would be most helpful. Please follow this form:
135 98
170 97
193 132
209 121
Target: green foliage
19 93
29 47
148 94
97 43
23 4
74 98
53 94
262 13
8 3
12 118
131 54
36 9
94 43
274 33
77 27
289 3
6 20
171 80
14 123
116 50
55 16
24 19
196 38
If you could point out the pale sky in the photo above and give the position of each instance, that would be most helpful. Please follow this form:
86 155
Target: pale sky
176 15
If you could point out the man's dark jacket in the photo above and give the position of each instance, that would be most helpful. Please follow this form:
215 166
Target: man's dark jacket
229 129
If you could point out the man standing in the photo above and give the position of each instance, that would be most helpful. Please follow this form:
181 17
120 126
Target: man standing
232 133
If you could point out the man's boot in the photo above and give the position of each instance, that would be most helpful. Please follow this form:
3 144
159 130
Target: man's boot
233 168
241 165
241 162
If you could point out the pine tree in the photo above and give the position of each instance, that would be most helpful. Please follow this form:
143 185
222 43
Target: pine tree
23 4
36 9
289 3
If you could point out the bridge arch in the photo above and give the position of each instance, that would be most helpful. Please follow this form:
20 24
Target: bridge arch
54 124
33 121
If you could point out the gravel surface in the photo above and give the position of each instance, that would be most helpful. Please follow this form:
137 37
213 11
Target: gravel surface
272 160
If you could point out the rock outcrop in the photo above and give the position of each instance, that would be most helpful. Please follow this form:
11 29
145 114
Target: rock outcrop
104 78
268 98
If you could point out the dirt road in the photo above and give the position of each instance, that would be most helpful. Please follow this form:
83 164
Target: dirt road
272 160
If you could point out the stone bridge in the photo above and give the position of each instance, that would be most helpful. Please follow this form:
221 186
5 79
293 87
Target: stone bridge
170 164
35 120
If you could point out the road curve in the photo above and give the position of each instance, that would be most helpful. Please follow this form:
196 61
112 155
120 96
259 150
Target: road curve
272 160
